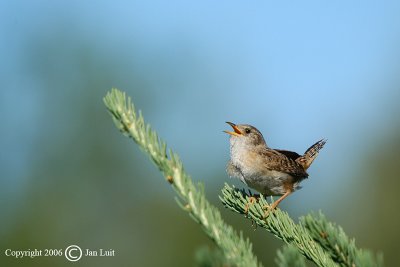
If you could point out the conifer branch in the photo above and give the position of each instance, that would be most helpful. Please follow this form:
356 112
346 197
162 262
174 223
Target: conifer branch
334 240
235 248
278 223
318 240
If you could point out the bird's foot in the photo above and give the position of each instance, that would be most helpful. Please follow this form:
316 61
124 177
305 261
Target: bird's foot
272 207
252 199
269 209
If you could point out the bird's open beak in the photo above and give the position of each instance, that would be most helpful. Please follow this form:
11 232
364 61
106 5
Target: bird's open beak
236 132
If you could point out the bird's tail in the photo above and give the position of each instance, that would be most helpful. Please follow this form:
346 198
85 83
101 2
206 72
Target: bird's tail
311 154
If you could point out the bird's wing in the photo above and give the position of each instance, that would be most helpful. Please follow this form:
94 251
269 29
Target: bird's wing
277 161
290 154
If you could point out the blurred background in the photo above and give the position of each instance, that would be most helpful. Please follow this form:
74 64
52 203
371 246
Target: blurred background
298 71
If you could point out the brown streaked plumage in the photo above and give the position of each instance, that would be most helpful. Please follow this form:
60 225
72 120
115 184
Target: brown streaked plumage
269 171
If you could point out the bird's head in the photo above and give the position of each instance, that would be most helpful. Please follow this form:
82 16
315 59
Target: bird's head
245 134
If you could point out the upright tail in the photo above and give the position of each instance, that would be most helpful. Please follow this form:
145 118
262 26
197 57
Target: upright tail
311 154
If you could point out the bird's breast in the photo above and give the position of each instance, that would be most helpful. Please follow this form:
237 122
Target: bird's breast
248 161
253 169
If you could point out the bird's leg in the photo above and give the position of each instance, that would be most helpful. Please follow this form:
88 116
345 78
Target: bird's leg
276 203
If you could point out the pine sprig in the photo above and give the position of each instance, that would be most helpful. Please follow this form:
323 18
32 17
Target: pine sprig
278 223
335 241
318 240
236 249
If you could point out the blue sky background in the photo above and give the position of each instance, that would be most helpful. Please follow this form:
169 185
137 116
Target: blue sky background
298 71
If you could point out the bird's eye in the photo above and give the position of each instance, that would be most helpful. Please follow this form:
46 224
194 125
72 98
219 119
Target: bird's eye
247 130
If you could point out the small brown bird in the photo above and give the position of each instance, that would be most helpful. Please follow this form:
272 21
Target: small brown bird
272 172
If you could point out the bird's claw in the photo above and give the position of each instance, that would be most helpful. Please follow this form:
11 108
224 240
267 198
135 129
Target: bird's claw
252 199
269 208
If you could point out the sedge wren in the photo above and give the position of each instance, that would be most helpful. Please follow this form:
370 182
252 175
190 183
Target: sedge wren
272 172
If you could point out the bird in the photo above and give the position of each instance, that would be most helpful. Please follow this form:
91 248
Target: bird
271 172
